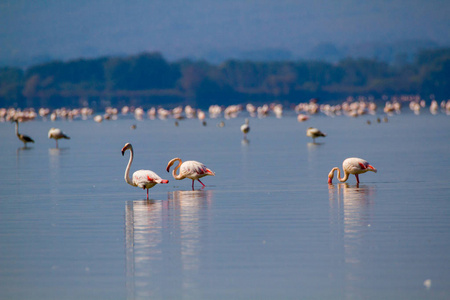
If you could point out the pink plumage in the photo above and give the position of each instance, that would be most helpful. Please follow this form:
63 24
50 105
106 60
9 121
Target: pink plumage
189 169
352 165
144 179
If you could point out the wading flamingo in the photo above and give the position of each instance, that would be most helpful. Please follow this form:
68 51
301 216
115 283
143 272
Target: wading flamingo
314 133
189 169
56 134
24 138
245 128
144 179
353 166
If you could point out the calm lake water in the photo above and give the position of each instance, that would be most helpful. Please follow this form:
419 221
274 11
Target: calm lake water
267 226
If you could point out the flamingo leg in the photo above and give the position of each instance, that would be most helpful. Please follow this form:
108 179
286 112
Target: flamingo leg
357 178
56 143
192 184
201 182
147 194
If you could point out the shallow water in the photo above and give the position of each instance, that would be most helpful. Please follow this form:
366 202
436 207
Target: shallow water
267 226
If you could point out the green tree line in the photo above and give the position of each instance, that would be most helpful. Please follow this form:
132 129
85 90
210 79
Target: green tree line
148 79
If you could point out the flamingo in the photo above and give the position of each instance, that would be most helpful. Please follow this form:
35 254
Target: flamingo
24 138
56 133
144 179
189 169
314 133
245 128
353 166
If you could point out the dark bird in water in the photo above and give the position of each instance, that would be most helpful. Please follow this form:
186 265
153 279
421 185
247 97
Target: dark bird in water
24 138
314 133
56 133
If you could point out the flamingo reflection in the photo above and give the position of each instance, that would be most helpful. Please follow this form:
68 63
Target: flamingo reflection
350 221
161 233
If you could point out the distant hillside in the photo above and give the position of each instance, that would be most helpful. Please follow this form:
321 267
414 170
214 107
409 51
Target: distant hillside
400 52
148 79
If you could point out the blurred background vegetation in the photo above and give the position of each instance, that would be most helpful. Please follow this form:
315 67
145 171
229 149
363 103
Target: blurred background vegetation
148 79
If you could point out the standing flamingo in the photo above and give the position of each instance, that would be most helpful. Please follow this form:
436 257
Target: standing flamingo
353 166
245 128
24 138
144 179
189 169
314 133
56 133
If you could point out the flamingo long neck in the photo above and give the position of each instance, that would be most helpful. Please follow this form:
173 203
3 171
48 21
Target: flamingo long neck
17 128
174 172
343 179
127 170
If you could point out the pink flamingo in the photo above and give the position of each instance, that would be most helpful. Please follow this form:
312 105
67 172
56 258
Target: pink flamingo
353 166
189 169
144 179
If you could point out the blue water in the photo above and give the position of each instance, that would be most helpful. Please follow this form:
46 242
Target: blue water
267 226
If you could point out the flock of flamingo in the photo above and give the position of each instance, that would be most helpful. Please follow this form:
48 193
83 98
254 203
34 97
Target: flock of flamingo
195 170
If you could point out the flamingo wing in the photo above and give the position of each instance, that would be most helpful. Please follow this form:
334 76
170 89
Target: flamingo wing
26 139
145 179
245 128
193 169
56 133
314 132
355 165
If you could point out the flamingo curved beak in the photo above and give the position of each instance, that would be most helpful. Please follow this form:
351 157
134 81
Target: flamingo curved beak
123 152
372 168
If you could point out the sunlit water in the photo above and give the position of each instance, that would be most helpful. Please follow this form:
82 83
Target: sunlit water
267 226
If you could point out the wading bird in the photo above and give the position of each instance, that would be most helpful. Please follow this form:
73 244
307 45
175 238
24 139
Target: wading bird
314 133
24 138
353 166
56 134
144 179
245 128
189 169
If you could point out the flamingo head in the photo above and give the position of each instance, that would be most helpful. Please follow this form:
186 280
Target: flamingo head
371 168
209 172
171 162
330 177
126 147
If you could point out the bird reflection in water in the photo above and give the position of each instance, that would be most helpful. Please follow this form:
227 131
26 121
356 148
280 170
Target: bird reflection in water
313 146
161 233
24 148
56 155
350 221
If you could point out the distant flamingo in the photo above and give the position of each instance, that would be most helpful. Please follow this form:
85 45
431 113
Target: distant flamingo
353 166
144 179
314 133
56 133
24 138
189 169
245 128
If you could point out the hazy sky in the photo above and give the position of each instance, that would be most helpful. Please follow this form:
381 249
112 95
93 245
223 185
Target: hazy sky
69 29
